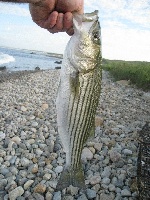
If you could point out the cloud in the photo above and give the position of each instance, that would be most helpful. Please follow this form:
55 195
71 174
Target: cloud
125 44
13 9
135 11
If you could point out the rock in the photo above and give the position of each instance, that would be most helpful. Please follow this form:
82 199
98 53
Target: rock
47 177
16 139
58 169
72 190
34 124
39 152
112 188
16 193
37 68
13 159
127 152
86 154
48 196
132 171
114 155
68 197
82 197
58 62
4 171
3 68
2 153
45 106
2 135
38 196
25 162
95 180
2 194
110 196
123 82
98 146
119 164
106 172
28 184
125 193
57 196
40 188
23 108
3 183
90 194
57 67
106 181
33 168
98 121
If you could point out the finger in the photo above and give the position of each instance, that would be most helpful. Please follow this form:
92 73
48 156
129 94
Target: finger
59 23
68 20
55 30
70 31
51 22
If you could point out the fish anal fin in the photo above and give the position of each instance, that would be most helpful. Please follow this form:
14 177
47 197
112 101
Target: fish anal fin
71 177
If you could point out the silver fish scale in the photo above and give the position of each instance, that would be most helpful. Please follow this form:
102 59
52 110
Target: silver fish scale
82 109
78 97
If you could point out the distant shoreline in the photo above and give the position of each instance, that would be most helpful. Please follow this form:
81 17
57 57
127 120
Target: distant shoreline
9 75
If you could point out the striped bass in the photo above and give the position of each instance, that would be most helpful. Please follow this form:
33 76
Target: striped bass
78 95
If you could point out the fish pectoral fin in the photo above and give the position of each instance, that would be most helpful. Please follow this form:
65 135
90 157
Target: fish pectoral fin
71 177
74 82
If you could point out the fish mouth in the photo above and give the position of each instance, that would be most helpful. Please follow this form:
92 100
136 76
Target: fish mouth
87 17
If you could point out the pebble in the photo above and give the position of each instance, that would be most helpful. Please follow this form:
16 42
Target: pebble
95 179
34 124
16 193
48 196
16 139
72 190
25 162
98 146
59 169
2 135
23 108
90 194
57 196
127 152
107 196
106 181
40 188
47 177
28 184
114 156
31 153
125 193
86 154
38 196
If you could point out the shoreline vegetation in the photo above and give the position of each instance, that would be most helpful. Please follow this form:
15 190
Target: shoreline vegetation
136 72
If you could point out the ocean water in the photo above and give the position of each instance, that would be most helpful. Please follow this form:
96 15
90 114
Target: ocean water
19 60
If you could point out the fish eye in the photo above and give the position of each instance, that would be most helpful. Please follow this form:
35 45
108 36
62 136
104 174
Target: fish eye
96 36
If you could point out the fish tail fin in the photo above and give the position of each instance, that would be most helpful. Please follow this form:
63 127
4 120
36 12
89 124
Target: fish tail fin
71 177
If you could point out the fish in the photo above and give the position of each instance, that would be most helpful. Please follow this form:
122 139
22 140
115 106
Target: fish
78 95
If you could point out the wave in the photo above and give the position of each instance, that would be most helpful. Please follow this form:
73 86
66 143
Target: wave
5 58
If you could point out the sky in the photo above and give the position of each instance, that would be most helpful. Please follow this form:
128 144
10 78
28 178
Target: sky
125 29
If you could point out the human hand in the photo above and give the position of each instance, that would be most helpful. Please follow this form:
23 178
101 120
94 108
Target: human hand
56 15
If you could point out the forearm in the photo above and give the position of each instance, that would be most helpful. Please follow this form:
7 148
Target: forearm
21 1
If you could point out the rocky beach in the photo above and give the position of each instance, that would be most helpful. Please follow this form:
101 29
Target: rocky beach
31 155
